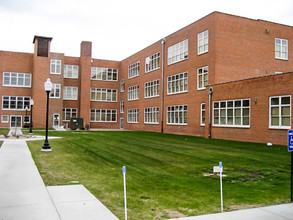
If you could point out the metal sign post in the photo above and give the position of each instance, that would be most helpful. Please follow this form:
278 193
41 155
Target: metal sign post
124 183
221 185
290 149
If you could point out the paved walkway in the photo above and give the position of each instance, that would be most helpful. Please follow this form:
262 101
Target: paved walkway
24 196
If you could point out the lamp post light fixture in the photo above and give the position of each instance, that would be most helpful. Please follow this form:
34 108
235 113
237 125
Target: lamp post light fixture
48 87
31 121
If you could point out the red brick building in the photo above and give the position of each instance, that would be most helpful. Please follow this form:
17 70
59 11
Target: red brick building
222 76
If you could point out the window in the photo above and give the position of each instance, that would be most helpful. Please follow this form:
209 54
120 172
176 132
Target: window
133 92
133 70
281 49
71 71
152 62
15 102
106 74
55 66
69 113
177 115
178 52
17 79
202 77
106 95
202 114
151 115
280 112
132 115
103 115
70 93
203 42
122 106
26 119
55 92
122 85
232 113
178 83
152 89
4 118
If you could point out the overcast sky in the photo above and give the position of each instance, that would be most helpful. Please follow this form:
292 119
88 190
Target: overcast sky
117 28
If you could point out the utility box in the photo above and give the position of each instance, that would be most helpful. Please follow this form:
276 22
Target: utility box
76 123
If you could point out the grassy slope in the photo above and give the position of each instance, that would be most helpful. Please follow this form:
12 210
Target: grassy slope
165 172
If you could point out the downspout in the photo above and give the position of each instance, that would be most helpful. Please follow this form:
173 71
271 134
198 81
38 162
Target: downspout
162 87
210 111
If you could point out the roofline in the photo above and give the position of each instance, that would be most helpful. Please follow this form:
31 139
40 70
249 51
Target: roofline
36 36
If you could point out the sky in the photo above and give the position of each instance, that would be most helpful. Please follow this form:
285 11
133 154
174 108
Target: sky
117 28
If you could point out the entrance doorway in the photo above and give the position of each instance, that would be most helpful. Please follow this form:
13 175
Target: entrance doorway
121 123
56 117
15 121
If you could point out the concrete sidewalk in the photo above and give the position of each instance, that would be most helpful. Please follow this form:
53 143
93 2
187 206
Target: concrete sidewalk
24 196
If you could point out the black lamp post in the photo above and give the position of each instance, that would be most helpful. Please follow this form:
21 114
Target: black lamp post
48 87
31 124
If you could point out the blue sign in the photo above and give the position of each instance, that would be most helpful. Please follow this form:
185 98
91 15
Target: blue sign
124 170
290 140
220 164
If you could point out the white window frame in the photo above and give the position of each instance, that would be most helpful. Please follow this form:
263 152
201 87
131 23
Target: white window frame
281 48
151 115
224 107
107 113
122 85
70 111
180 82
17 78
122 106
280 105
55 88
4 121
29 119
201 73
178 52
73 93
202 114
133 70
203 42
152 62
16 99
71 71
177 112
152 89
133 116
108 95
55 66
104 74
133 93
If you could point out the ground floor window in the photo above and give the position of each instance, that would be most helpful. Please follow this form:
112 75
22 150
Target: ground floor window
280 112
177 115
233 113
132 115
4 118
103 115
151 115
202 114
26 119
69 113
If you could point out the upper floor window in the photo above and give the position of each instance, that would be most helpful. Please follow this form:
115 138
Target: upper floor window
55 92
133 92
122 85
17 79
122 106
203 42
202 77
133 70
55 66
178 52
280 112
152 89
281 49
107 95
71 71
15 102
152 62
178 83
107 74
70 93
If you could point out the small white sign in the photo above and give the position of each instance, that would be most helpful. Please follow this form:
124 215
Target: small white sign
217 169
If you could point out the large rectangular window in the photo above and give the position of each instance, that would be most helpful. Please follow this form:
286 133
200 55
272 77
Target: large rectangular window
203 42
177 115
152 89
106 95
55 66
178 52
69 113
15 102
133 70
232 113
178 83
152 62
132 115
281 49
55 92
70 93
202 114
202 77
280 112
151 115
71 71
103 115
106 74
17 79
133 92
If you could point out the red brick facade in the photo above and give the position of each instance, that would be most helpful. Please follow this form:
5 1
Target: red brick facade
241 64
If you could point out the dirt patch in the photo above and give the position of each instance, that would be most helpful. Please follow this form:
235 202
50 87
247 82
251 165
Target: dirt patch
244 206
170 214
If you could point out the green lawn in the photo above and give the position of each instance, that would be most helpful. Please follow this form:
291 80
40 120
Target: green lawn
165 173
